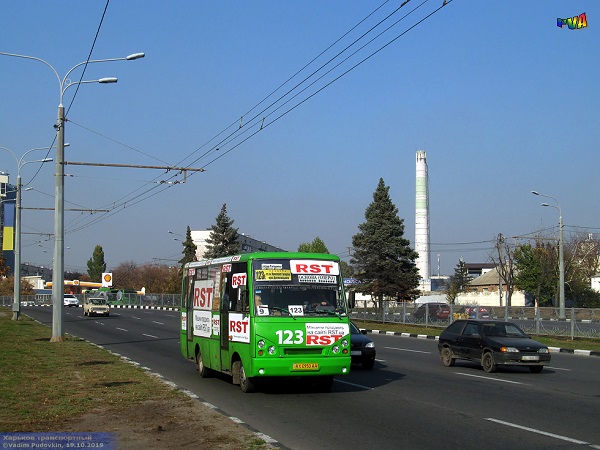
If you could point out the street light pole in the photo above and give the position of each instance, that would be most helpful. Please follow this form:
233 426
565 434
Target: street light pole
58 275
561 256
16 309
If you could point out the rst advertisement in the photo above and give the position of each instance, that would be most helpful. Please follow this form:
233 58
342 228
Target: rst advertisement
203 300
302 270
313 334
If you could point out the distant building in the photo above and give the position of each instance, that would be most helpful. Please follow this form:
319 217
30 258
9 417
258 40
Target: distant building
247 243
477 269
484 290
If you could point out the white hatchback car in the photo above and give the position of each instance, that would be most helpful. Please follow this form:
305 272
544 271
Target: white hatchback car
70 300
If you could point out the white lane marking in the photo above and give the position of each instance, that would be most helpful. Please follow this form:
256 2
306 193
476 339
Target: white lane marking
489 378
136 318
353 384
406 350
558 368
160 323
122 329
149 335
545 433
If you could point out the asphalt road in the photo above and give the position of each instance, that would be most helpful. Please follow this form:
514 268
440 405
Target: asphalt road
409 400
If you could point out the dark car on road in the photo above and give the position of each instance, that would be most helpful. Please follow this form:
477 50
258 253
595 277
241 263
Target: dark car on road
491 343
362 349
433 311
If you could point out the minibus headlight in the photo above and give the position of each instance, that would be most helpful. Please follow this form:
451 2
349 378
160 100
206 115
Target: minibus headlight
335 349
272 350
260 344
344 343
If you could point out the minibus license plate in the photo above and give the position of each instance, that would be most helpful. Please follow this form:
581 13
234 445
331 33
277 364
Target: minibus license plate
305 366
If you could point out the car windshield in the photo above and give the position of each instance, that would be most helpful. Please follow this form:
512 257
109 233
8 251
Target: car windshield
312 299
354 329
97 301
503 330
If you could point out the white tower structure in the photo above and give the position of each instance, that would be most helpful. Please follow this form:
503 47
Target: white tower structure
422 221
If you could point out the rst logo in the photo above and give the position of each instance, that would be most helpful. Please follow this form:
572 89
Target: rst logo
203 294
307 266
238 279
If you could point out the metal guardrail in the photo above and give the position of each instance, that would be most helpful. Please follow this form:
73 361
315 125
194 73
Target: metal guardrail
579 322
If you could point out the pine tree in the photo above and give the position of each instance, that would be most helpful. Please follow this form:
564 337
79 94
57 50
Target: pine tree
458 281
189 248
96 265
383 261
222 240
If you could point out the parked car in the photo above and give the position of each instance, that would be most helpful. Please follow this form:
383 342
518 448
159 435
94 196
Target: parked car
473 312
491 343
362 349
70 300
435 311
477 312
96 306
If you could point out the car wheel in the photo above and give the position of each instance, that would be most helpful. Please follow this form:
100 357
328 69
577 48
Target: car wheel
246 384
446 356
536 369
368 363
487 362
202 369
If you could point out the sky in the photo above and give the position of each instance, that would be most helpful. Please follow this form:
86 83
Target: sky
502 100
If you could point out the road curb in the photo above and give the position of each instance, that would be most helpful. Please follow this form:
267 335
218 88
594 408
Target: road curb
425 336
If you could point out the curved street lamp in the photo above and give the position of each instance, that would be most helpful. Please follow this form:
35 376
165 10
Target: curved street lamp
561 257
58 276
17 268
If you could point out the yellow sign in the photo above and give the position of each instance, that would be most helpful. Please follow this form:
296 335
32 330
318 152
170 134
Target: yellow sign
273 275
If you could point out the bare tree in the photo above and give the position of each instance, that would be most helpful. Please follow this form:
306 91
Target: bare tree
503 259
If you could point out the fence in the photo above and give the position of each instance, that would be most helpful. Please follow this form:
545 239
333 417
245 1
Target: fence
579 322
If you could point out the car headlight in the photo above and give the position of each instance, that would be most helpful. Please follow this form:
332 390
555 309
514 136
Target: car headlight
543 350
370 345
509 350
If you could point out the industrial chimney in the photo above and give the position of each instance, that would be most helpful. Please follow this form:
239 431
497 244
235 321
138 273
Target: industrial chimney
422 221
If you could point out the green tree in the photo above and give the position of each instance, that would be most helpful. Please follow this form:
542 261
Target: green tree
189 248
536 271
222 240
347 271
458 281
316 246
383 260
96 265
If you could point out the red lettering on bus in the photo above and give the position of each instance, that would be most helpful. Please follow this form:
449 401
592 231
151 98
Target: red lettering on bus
312 339
202 297
238 326
301 268
238 279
